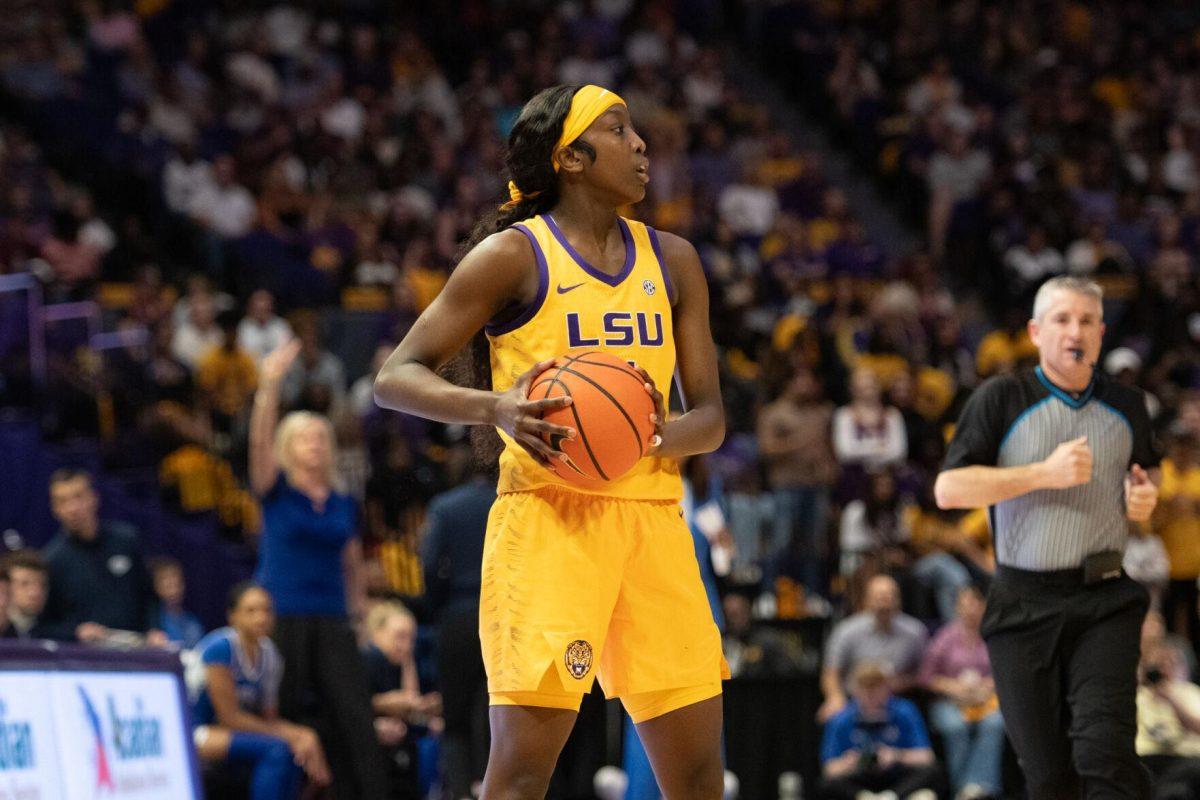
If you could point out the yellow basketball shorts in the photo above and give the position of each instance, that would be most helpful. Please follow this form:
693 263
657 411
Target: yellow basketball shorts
578 587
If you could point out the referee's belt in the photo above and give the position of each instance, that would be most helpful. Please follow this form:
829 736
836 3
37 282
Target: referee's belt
1097 568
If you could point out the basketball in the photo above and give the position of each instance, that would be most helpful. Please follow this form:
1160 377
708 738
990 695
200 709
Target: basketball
610 412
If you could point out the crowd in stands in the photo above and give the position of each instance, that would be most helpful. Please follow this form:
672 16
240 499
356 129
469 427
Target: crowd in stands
222 181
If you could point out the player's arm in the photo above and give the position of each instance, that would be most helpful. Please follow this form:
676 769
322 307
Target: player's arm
222 691
701 429
302 741
495 274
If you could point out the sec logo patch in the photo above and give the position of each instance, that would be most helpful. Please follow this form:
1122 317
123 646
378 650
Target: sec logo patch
649 286
578 658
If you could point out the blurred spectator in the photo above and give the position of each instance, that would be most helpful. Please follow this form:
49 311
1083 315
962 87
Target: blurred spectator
957 172
28 582
400 486
261 331
872 532
199 333
199 286
795 443
178 624
1086 255
227 376
1168 725
936 553
317 380
967 712
1177 522
401 710
99 586
185 177
703 496
451 554
223 206
877 745
362 392
236 711
880 633
751 649
310 560
1007 347
171 378
353 462
1154 634
74 262
1147 563
886 533
866 432
749 207
1031 263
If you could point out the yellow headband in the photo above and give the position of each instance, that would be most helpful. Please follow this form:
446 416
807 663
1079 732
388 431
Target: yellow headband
588 103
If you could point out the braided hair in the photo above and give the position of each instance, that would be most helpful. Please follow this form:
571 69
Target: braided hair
528 162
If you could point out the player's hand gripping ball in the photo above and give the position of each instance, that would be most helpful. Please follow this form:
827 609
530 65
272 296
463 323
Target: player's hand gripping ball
610 412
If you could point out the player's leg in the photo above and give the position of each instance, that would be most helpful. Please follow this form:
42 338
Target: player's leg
273 771
684 746
526 742
550 579
667 669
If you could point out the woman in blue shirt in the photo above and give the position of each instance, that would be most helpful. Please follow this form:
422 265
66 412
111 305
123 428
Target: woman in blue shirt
236 713
310 560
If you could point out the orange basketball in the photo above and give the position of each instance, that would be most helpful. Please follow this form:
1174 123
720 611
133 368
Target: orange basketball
610 412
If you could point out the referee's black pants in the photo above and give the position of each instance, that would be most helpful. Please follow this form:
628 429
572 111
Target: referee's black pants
1064 656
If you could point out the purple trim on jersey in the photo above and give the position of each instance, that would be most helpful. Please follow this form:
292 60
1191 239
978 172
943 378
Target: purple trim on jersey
662 263
599 274
543 286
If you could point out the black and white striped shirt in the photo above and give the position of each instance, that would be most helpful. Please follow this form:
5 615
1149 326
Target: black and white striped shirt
1020 419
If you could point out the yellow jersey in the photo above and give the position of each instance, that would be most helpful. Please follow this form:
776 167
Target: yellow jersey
579 307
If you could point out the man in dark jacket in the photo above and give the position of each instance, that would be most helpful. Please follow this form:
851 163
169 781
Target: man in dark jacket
99 584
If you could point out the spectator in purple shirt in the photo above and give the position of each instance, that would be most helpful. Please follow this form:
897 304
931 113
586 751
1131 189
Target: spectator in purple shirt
966 714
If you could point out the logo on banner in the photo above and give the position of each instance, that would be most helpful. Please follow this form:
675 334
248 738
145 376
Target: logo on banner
103 772
16 742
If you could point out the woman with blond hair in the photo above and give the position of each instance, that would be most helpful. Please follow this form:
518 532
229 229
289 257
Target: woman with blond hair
310 560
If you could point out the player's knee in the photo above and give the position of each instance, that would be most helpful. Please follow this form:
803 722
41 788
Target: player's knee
701 780
521 786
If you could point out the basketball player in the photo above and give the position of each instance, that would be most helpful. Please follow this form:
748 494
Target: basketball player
580 583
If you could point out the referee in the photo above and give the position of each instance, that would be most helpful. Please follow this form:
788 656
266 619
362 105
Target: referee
1059 455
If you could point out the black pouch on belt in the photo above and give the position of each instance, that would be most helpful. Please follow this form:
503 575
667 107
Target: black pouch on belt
1102 566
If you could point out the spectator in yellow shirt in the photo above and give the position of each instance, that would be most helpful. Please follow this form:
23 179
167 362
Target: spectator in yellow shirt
227 376
1177 522
1005 348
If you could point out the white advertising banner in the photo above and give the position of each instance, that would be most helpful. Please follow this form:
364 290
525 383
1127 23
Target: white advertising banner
121 735
29 768
93 735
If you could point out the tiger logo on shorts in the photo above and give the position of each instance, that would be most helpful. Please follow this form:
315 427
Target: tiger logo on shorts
579 658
